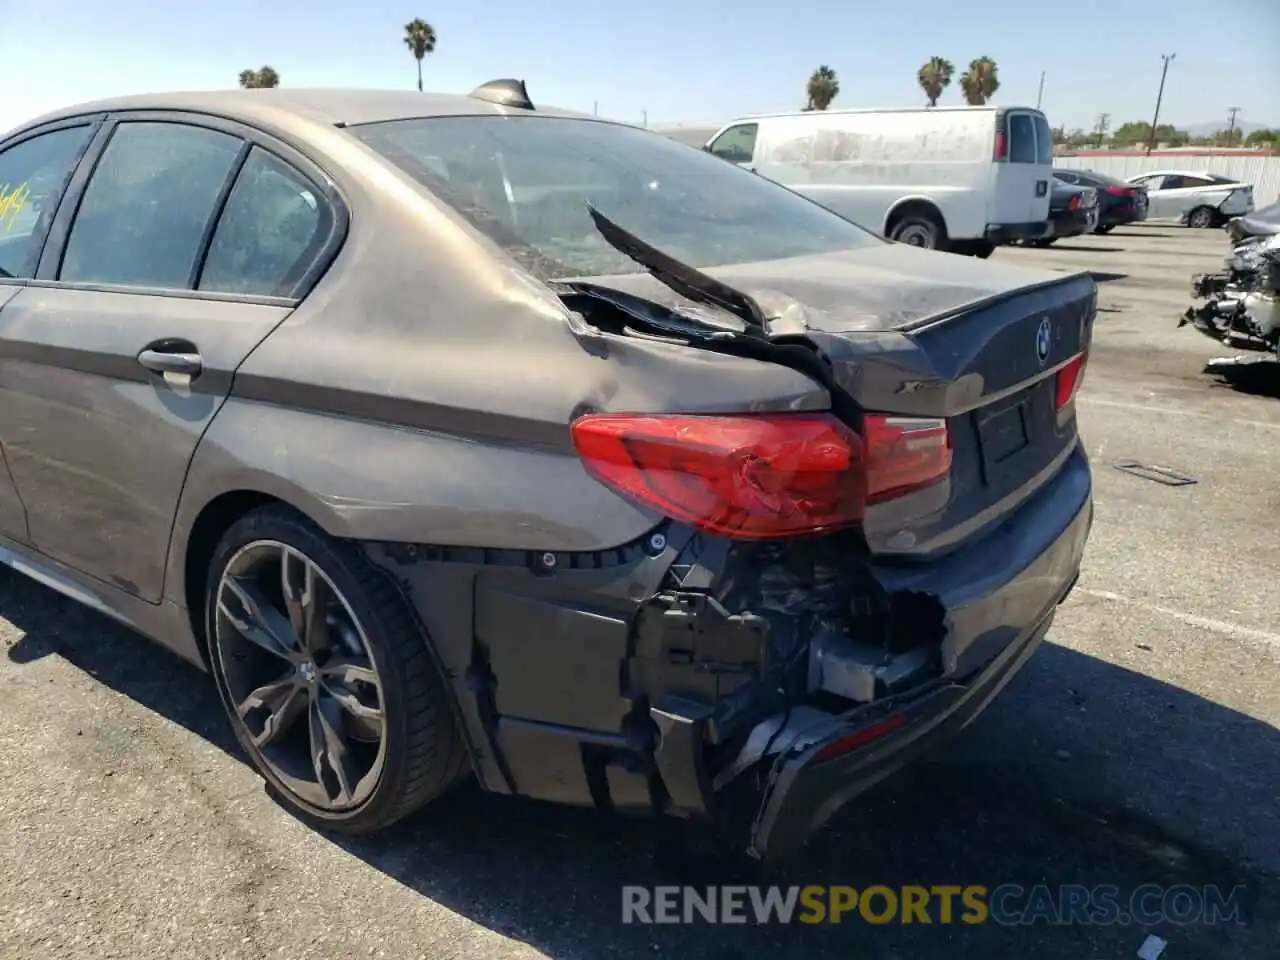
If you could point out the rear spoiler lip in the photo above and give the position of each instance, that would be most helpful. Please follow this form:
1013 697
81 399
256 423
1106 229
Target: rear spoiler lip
922 323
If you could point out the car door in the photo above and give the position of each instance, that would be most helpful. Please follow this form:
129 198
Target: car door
34 169
1021 179
175 252
1162 204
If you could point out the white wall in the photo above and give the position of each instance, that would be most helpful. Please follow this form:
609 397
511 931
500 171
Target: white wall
1262 172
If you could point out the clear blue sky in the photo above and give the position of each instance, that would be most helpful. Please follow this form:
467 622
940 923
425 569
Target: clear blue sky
679 60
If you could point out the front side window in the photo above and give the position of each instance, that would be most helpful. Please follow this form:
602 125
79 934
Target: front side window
268 231
737 144
525 182
144 212
32 176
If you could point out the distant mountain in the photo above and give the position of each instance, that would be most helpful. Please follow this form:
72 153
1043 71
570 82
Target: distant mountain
1210 127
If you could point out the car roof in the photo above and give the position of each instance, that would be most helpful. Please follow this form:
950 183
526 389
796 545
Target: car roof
1175 173
333 107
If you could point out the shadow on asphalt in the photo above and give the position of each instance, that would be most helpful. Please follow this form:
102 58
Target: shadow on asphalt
1018 798
1259 378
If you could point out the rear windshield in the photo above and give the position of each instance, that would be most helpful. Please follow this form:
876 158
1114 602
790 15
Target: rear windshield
525 182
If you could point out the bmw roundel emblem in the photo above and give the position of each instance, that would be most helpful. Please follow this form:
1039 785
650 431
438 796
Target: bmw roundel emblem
1044 340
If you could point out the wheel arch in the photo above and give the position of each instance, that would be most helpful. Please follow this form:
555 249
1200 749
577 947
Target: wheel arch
196 538
914 203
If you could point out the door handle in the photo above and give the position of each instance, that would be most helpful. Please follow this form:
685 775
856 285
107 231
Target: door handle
159 362
1042 187
178 361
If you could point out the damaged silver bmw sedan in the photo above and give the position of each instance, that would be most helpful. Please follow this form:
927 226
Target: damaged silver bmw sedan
458 436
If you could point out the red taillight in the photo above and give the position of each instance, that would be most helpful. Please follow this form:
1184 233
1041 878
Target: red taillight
860 738
904 454
1122 191
761 477
746 477
1001 149
1074 203
1069 378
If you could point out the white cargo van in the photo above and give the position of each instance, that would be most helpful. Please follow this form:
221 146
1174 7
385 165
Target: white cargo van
963 179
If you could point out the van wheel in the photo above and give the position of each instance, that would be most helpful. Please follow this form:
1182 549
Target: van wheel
1105 228
918 230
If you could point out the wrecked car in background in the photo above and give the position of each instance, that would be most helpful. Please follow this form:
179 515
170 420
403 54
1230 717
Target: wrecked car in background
1242 303
531 446
1197 199
1263 222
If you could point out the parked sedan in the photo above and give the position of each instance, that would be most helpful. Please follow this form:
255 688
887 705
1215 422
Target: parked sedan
1072 211
458 436
1196 199
1119 202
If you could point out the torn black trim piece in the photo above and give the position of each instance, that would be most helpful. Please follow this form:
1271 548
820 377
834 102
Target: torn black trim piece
1164 475
683 279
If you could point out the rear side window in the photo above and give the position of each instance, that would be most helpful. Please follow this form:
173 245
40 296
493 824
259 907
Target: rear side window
1022 138
32 176
1174 182
145 210
737 144
268 233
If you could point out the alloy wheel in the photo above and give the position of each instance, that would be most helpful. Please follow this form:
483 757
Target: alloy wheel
297 669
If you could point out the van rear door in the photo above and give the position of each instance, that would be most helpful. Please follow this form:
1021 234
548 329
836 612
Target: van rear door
1023 167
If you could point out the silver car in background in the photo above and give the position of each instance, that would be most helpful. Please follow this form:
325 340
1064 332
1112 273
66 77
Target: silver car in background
1198 199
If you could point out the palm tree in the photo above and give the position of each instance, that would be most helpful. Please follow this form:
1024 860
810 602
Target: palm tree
980 82
259 79
420 38
823 87
934 77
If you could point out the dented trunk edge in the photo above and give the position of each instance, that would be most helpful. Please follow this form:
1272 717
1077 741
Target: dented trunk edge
667 675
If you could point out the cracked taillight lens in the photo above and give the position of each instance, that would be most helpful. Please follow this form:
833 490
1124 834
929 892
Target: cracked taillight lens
761 477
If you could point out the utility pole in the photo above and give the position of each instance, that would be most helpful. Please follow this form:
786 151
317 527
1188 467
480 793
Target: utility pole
645 115
595 108
1040 95
1231 126
1100 128
1151 140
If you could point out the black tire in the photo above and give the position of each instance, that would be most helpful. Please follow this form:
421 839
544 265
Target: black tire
422 752
1044 242
1202 218
1105 228
919 229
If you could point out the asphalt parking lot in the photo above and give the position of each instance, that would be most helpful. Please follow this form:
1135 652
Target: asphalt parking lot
1141 745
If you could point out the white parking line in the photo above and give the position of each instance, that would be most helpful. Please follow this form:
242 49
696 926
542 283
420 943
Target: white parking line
1233 630
1178 412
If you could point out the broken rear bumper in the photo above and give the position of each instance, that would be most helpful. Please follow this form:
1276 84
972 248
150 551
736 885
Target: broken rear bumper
827 761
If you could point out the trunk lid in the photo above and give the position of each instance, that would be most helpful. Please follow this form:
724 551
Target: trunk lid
917 333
